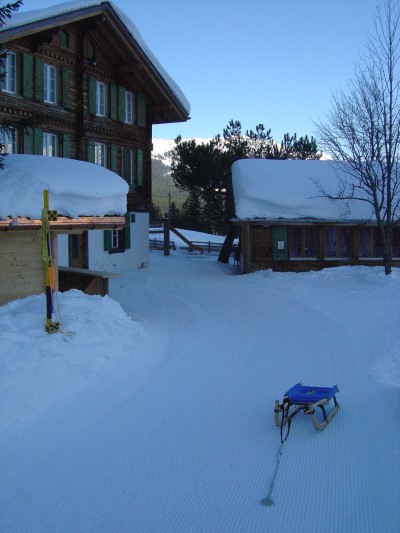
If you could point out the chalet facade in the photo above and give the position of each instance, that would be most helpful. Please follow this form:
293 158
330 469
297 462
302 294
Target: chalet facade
80 83
284 225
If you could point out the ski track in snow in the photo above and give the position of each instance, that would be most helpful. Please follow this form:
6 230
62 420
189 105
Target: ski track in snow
179 454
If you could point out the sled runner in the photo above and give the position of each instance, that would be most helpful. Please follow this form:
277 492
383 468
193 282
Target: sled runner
307 399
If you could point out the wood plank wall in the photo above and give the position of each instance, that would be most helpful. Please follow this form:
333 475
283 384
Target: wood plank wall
21 265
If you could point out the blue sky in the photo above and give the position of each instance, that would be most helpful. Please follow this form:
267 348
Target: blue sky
273 62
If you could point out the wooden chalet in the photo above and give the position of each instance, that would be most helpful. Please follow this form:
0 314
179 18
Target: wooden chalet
81 83
285 225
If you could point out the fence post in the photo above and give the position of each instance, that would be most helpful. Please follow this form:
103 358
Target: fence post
166 237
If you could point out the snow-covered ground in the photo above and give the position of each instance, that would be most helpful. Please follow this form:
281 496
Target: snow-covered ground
156 415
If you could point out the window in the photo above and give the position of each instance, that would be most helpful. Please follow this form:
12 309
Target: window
100 99
49 144
369 243
8 141
377 243
9 82
364 242
128 107
303 242
337 242
49 84
117 239
100 154
396 242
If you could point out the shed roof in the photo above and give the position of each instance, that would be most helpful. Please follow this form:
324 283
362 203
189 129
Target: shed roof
267 189
76 188
136 54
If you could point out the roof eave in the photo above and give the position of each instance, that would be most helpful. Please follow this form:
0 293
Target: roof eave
64 223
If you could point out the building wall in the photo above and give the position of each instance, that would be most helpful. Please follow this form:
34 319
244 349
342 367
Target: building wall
290 248
137 256
73 117
21 265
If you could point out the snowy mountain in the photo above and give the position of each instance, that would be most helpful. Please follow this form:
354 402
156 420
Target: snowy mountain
163 147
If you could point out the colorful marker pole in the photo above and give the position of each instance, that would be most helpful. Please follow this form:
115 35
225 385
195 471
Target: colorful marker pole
50 326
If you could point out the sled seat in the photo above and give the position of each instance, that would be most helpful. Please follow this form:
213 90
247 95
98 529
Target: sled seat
307 399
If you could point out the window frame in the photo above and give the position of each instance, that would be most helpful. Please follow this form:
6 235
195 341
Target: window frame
100 99
129 107
49 84
339 243
7 69
50 149
100 154
303 244
8 138
117 241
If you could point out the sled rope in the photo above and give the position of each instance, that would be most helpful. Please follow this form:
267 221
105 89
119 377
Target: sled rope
268 501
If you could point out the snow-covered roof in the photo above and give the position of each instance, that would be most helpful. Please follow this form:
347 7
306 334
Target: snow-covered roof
76 188
31 17
286 189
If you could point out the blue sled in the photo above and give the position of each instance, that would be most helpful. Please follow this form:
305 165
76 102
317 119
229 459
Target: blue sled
307 399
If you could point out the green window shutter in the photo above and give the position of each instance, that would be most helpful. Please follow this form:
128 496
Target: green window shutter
65 77
92 95
121 104
37 141
126 164
90 151
113 158
39 79
279 243
27 73
64 39
141 109
127 231
28 141
113 102
91 51
107 240
67 145
140 167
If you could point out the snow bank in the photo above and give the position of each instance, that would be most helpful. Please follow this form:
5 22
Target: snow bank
38 369
273 189
76 188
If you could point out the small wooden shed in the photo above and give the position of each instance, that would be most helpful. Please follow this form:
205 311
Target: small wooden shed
22 270
284 224
83 197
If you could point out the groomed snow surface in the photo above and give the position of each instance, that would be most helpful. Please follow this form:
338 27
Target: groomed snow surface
156 416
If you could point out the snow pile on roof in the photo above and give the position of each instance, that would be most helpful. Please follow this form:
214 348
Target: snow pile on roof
29 17
274 189
76 188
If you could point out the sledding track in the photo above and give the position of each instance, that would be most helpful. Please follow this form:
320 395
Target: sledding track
192 448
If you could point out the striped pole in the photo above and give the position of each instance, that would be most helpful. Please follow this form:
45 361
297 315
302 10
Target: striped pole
50 326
